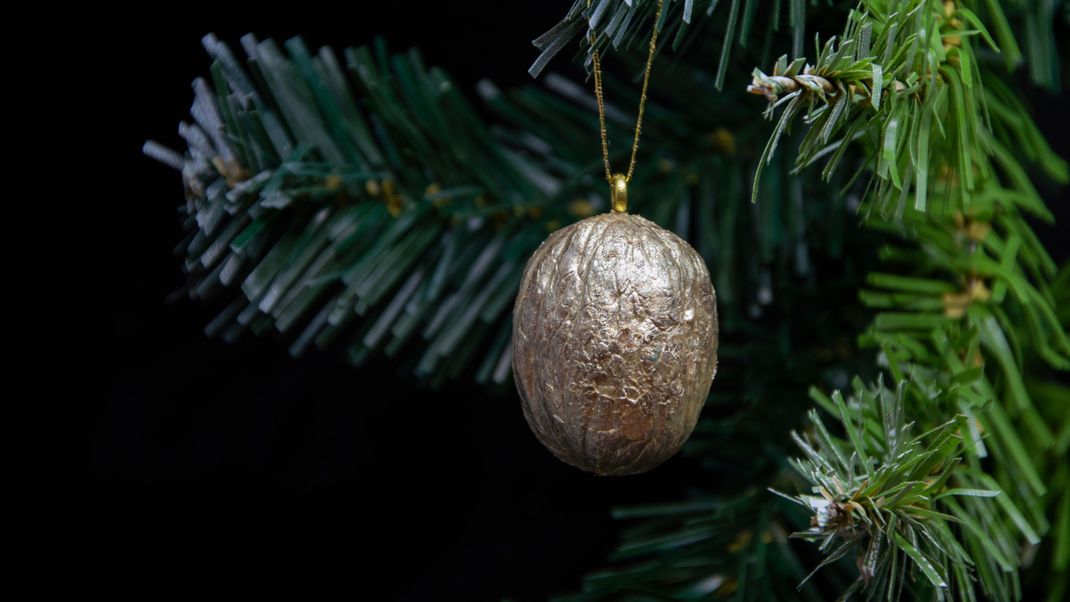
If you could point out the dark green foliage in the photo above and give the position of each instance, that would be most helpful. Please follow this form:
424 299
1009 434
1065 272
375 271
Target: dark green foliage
965 308
620 25
364 205
882 494
370 208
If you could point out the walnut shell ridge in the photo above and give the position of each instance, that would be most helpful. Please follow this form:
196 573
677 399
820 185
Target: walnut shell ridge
614 343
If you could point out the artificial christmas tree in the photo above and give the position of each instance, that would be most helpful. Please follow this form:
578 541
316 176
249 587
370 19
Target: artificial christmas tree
359 203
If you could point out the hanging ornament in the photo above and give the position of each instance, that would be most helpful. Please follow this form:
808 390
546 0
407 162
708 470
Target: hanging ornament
614 332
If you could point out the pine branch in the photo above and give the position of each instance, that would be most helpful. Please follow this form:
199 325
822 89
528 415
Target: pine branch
970 307
622 24
879 495
882 85
369 207
408 216
1037 24
725 547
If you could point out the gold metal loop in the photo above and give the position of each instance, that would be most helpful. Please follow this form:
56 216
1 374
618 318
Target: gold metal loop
618 188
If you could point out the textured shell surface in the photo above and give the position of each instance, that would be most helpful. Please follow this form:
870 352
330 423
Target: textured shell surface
614 343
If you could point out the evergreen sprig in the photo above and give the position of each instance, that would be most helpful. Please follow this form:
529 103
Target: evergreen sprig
365 203
879 493
622 24
885 86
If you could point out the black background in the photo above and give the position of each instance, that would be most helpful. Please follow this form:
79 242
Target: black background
199 459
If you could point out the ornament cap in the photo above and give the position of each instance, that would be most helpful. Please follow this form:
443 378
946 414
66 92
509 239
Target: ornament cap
618 188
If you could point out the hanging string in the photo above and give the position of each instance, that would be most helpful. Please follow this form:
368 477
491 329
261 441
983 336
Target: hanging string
618 182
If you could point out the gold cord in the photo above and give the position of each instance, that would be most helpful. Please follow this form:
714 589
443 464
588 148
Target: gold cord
618 182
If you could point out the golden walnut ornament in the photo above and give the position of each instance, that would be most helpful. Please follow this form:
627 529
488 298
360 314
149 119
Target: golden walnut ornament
614 343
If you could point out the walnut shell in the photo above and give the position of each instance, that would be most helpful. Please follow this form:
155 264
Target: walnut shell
614 343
